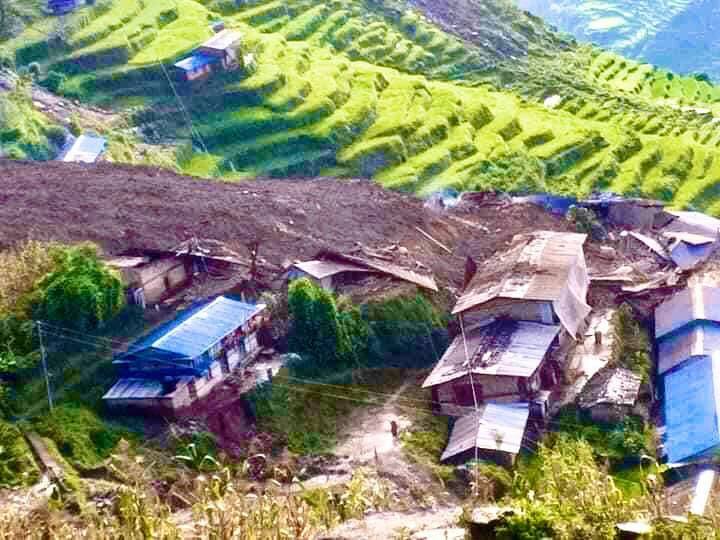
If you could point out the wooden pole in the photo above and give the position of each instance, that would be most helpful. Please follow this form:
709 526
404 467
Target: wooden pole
38 324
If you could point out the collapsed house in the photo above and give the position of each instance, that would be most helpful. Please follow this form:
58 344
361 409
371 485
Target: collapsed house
518 311
610 395
219 53
181 361
153 276
687 333
332 270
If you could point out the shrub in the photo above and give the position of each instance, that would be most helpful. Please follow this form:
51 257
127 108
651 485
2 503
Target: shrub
56 135
54 81
17 465
79 434
34 69
7 60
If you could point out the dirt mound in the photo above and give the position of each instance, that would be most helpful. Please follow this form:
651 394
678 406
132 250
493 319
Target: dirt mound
123 207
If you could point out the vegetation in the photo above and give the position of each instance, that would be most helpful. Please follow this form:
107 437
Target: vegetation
329 80
16 463
631 347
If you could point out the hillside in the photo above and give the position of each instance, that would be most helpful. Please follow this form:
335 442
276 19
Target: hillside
374 89
680 35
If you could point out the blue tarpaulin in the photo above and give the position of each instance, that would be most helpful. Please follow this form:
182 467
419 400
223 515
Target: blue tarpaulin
195 62
691 409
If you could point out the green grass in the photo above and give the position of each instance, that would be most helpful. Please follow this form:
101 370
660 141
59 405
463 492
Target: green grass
396 99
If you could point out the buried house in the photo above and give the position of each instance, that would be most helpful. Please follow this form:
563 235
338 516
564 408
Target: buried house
184 359
687 334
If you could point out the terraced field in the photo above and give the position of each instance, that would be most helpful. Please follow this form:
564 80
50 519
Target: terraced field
338 89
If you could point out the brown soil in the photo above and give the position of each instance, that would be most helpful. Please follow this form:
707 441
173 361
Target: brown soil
123 207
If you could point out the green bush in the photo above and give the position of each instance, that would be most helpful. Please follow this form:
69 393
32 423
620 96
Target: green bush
54 81
17 466
56 135
80 435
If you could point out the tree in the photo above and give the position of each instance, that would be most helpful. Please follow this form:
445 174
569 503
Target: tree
81 292
317 331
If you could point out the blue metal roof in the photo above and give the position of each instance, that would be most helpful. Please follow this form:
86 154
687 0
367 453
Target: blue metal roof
194 331
691 408
196 61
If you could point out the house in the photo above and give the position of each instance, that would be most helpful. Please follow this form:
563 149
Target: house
217 53
222 46
691 410
504 361
149 282
167 370
687 334
327 274
542 277
687 325
85 149
331 269
495 433
626 212
610 395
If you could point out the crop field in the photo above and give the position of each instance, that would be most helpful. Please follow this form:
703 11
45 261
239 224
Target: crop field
339 90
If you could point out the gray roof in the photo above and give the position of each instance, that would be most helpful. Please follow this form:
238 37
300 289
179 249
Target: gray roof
695 223
134 388
494 427
323 269
614 386
544 266
222 40
501 348
693 303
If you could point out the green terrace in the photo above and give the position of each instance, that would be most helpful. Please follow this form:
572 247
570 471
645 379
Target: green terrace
336 89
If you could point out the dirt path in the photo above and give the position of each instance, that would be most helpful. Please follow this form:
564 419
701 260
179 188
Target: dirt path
369 432
438 523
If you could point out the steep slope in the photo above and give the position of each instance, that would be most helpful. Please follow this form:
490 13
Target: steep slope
350 88
680 35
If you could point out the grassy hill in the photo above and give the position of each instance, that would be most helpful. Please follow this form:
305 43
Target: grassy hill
352 87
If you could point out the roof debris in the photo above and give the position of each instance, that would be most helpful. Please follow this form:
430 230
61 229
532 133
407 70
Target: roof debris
611 386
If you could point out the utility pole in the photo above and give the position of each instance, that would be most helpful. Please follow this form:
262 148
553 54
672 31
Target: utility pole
38 324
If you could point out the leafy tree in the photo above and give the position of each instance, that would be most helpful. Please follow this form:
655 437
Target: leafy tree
20 269
81 291
317 331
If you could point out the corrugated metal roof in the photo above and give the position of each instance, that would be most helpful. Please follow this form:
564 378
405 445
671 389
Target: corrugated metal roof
427 282
688 255
195 61
135 389
544 265
85 149
691 304
698 339
495 427
222 40
691 408
323 269
694 223
617 386
502 348
196 331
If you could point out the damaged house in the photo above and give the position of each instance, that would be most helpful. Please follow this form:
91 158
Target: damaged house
610 395
181 361
332 270
542 277
219 53
517 312
687 334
